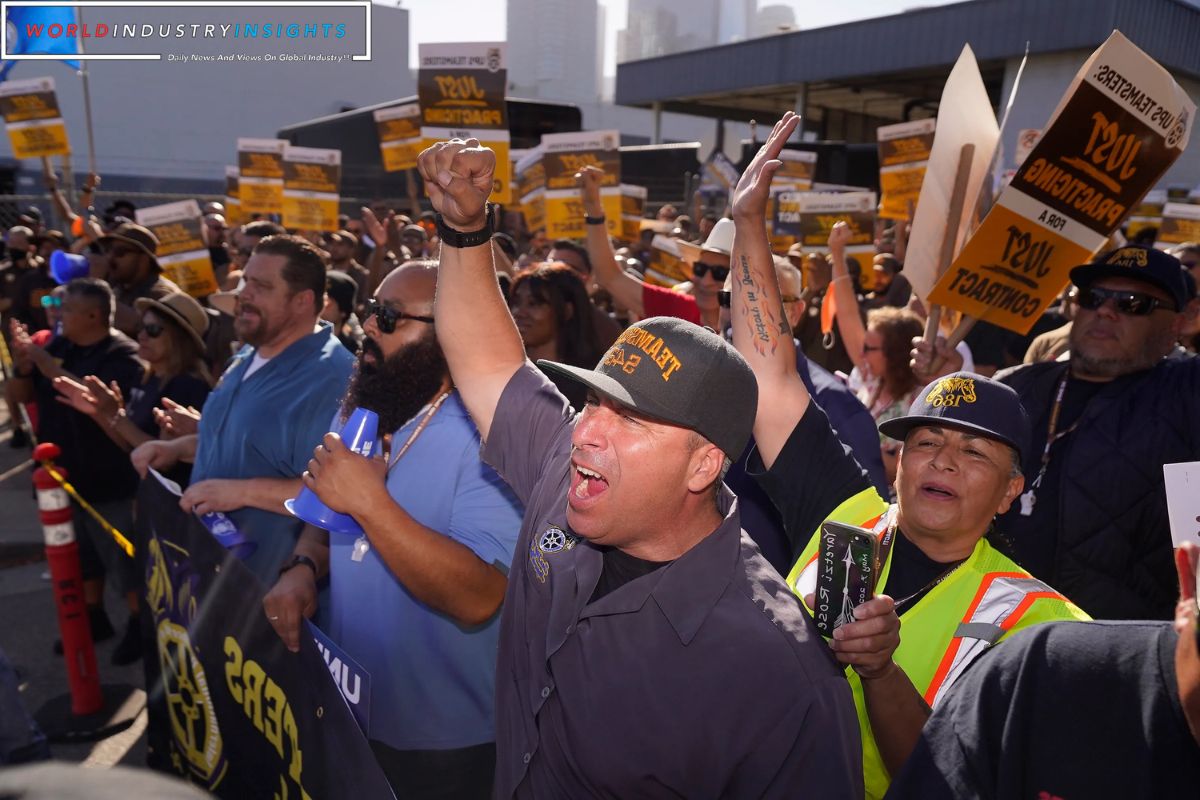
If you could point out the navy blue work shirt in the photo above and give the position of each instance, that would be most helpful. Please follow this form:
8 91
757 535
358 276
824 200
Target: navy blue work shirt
701 679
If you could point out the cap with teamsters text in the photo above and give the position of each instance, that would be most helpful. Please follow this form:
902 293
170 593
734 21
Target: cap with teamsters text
678 372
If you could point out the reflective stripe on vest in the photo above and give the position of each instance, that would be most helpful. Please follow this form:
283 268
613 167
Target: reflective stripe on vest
1001 601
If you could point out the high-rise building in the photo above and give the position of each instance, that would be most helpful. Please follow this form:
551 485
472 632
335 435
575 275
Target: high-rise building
550 54
660 27
773 19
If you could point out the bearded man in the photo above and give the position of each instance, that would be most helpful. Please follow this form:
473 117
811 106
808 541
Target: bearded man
415 598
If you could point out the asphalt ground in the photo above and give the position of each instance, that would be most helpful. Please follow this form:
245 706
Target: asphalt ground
29 623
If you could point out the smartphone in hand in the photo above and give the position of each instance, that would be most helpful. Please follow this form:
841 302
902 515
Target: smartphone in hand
847 573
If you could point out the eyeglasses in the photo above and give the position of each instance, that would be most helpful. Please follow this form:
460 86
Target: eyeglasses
386 317
1133 304
49 301
153 329
719 274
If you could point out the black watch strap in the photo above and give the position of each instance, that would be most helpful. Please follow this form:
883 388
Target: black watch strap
295 561
460 239
593 220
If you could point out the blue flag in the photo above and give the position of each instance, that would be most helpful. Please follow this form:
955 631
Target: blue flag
29 32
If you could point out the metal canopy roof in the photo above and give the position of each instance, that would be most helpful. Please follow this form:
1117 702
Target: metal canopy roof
883 67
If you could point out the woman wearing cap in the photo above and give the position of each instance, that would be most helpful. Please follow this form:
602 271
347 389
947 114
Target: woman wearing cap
171 342
550 305
944 595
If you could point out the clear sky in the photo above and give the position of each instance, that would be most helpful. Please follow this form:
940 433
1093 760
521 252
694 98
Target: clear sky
485 20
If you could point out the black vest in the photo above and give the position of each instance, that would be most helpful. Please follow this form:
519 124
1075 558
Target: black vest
1113 555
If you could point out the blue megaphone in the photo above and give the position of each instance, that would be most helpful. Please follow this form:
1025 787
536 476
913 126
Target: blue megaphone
360 433
66 267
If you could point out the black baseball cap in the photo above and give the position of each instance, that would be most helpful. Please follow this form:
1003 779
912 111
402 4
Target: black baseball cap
969 402
680 373
1141 263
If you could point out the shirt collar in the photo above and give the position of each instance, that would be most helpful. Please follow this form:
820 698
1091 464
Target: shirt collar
688 588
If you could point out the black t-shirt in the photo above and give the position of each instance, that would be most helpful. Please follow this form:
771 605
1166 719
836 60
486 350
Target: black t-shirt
814 474
1034 538
1065 710
96 465
619 569
187 390
913 573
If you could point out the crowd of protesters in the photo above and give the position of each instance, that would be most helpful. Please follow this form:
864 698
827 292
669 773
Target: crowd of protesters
589 549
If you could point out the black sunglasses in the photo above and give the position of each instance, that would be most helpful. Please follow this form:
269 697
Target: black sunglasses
386 317
719 273
1134 304
153 329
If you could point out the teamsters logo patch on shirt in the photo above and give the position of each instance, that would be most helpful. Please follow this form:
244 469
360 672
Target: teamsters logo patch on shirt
553 540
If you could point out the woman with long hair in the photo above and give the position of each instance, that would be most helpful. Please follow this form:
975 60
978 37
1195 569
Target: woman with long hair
550 304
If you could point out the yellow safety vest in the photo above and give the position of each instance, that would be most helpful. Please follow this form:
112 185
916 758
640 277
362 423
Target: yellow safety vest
975 606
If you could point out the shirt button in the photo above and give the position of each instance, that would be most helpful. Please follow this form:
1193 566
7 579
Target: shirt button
527 758
546 691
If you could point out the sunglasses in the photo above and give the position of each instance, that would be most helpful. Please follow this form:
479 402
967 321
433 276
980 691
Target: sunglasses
719 274
117 251
387 317
49 301
1133 304
153 329
870 348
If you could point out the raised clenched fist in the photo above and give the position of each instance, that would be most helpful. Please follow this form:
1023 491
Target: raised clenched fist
458 176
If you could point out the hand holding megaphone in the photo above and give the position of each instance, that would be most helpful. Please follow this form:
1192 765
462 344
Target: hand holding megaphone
344 475
344 480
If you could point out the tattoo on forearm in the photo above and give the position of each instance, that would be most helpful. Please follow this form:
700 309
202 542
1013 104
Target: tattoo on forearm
765 325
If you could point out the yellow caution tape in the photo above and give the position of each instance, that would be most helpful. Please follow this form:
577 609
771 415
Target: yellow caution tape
5 357
121 541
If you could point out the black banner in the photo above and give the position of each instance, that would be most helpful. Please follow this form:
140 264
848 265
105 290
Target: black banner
235 712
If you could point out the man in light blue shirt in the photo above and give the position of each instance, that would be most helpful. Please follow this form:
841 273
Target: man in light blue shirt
415 599
271 406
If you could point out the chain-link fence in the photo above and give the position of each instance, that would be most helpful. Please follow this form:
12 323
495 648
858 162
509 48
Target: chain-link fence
13 206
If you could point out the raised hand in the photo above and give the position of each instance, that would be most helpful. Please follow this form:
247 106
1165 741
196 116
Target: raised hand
754 187
839 236
589 179
373 227
458 176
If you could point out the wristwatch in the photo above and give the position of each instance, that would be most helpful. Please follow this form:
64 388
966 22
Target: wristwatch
296 561
593 220
461 239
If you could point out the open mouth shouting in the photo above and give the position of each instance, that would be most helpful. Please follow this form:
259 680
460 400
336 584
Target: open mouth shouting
586 486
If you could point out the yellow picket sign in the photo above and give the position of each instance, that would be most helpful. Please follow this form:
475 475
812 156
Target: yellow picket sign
182 253
1123 121
903 154
461 90
33 120
400 140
